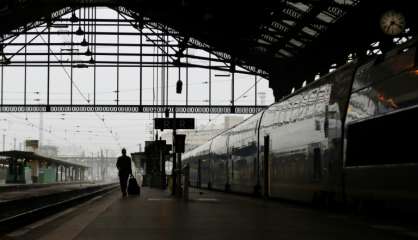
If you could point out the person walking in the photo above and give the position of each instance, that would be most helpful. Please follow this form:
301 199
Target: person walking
124 166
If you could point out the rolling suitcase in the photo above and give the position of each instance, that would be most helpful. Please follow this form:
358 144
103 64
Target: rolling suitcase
133 187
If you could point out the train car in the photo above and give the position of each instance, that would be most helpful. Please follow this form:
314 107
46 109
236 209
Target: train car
342 137
380 159
242 161
199 162
219 158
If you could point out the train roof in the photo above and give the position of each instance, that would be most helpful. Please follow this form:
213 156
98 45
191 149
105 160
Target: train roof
320 81
325 77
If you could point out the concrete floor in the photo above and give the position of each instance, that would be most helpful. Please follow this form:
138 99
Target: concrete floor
155 215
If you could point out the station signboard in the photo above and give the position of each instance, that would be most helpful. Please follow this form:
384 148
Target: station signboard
31 145
173 123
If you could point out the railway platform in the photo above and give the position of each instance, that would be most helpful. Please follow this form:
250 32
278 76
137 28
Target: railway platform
208 215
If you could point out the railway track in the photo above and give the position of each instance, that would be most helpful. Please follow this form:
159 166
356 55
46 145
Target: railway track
16 214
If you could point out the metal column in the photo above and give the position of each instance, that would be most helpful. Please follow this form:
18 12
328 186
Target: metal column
210 83
117 63
140 65
255 90
233 88
25 71
71 59
187 77
49 60
95 57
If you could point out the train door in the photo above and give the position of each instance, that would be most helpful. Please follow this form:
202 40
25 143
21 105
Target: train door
316 164
199 173
266 166
229 171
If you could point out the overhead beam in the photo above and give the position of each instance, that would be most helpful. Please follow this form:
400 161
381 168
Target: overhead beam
215 109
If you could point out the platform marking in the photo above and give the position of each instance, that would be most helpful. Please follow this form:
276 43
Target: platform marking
412 234
160 199
397 229
390 228
207 199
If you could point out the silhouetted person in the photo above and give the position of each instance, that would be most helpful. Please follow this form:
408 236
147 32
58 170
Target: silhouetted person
124 166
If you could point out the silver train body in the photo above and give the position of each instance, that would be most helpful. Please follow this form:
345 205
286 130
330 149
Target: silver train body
348 135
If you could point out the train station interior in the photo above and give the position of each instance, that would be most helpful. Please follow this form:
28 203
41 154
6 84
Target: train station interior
180 119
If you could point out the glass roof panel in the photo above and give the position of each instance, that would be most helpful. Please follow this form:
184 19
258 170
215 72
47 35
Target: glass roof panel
261 49
270 29
290 23
278 36
292 12
344 2
309 31
296 42
270 38
286 53
262 41
325 17
299 5
279 26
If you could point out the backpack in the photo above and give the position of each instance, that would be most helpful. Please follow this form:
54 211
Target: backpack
133 187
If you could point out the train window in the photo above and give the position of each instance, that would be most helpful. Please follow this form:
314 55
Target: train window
292 114
278 117
311 110
361 105
361 78
317 125
398 92
388 140
320 109
383 97
323 92
302 113
297 113
286 116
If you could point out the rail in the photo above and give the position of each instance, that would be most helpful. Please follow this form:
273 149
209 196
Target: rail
11 223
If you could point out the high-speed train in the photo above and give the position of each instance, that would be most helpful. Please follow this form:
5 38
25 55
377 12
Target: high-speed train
350 135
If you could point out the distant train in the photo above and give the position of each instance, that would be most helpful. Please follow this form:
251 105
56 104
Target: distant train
348 136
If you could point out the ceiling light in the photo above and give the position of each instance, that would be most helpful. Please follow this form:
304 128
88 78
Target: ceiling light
79 31
84 43
74 18
88 52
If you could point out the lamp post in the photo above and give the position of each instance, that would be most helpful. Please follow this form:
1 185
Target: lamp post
4 139
4 134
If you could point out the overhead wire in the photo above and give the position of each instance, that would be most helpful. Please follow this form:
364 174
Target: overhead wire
85 98
81 94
